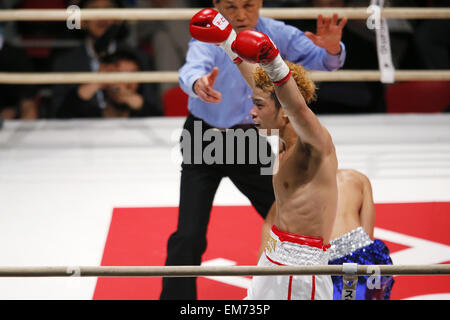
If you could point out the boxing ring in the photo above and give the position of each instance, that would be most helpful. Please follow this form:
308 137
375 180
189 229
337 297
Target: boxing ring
60 180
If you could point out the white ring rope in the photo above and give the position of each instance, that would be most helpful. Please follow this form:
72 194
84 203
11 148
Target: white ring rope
172 76
194 271
187 13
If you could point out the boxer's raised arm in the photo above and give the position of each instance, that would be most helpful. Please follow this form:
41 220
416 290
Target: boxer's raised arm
304 121
256 47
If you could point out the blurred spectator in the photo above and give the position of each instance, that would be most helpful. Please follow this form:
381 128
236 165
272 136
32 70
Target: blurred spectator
165 41
103 38
122 100
432 42
38 38
16 101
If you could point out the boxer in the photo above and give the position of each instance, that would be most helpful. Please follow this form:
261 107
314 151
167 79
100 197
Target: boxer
305 183
352 236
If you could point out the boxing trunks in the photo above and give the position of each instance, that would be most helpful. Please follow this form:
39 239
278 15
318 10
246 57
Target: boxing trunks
357 247
287 249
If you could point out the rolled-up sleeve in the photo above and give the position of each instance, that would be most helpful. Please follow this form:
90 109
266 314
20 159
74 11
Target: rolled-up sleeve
199 61
334 62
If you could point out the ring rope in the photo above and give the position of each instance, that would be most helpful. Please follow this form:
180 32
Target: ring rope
172 76
194 271
187 13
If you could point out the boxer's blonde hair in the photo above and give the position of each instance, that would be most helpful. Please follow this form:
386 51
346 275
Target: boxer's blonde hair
299 74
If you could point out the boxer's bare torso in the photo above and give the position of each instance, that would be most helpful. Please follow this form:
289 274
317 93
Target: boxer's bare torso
306 189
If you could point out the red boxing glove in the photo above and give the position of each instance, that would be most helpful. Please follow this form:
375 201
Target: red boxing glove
210 26
255 47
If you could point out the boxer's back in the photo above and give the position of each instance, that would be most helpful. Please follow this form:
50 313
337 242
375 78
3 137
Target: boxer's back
350 201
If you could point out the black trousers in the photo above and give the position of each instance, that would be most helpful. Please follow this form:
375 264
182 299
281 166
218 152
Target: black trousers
199 183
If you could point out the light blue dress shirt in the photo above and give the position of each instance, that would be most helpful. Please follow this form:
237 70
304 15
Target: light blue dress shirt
236 102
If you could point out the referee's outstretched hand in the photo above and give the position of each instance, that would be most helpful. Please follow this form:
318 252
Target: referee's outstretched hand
203 87
329 33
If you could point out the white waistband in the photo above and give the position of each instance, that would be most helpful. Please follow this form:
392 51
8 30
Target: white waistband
293 254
